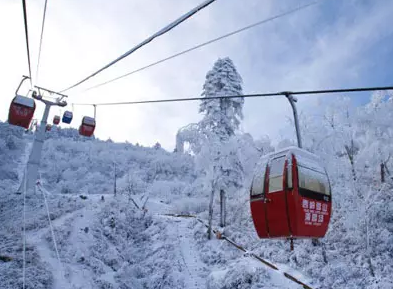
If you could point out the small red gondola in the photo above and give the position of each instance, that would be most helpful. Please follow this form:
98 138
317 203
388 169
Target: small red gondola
21 111
87 127
48 127
56 120
290 196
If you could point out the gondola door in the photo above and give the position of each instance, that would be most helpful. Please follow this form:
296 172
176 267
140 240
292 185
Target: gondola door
277 213
258 202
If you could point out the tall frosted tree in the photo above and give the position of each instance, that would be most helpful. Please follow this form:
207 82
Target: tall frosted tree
221 120
222 116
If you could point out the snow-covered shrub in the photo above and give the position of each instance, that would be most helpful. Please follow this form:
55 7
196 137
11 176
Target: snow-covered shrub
131 245
243 274
72 166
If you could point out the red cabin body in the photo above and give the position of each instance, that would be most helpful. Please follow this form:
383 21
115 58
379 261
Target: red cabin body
48 127
87 127
290 197
56 120
21 111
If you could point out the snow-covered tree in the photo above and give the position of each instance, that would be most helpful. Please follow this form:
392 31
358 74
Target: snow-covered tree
221 120
192 135
375 134
157 146
222 116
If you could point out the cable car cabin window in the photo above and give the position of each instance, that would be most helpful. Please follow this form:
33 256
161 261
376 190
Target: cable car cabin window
313 180
276 174
257 184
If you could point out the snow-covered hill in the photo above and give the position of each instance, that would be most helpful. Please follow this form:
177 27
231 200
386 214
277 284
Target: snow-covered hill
107 203
114 241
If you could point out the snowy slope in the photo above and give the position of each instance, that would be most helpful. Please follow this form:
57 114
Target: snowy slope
112 243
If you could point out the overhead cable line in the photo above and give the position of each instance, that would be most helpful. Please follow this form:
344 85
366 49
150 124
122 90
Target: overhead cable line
143 43
27 38
42 35
205 44
359 89
51 230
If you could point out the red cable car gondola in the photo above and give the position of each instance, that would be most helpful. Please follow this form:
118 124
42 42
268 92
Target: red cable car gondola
87 127
21 111
56 120
290 196
48 127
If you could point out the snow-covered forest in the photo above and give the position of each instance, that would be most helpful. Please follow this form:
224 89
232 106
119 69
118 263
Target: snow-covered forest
108 203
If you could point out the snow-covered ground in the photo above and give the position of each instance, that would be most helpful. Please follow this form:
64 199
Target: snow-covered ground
227 272
115 242
69 273
194 269
93 256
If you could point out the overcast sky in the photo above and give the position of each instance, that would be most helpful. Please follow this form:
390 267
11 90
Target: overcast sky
329 45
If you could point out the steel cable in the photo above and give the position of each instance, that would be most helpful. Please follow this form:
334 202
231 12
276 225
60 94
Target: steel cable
42 35
204 44
148 40
27 38
358 89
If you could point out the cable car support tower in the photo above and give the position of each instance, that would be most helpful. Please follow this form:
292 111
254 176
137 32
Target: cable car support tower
30 175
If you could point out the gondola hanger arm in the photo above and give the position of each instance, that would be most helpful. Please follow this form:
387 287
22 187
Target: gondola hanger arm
24 77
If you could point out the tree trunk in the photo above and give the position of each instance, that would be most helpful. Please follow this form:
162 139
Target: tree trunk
350 153
209 230
133 201
382 172
368 257
114 184
222 209
325 259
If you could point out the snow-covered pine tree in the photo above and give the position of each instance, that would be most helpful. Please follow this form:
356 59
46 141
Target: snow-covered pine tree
220 122
222 116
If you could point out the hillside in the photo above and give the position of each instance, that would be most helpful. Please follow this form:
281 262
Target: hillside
123 240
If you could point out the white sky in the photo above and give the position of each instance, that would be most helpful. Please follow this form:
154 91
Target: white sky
333 44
